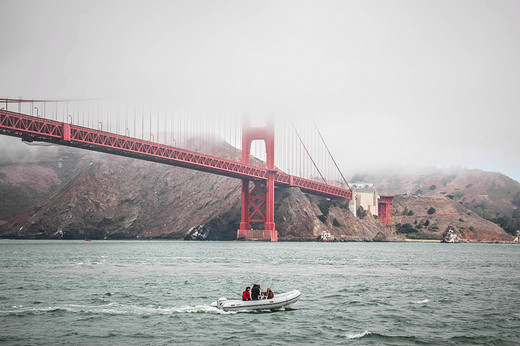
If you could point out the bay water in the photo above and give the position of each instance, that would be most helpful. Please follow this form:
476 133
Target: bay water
159 292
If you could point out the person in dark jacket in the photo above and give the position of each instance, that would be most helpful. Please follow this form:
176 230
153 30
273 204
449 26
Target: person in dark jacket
255 291
246 295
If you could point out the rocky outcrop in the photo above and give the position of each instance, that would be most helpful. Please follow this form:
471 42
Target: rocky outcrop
223 227
451 236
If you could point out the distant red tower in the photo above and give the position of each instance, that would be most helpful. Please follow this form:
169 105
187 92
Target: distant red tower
385 208
261 196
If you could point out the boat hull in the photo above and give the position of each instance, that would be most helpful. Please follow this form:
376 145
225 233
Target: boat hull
277 302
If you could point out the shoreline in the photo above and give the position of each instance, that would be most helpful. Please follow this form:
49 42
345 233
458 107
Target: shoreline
300 240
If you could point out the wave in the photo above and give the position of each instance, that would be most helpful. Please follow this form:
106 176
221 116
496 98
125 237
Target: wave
424 301
382 338
357 336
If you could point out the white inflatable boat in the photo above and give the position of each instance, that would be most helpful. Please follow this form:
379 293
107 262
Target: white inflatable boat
278 301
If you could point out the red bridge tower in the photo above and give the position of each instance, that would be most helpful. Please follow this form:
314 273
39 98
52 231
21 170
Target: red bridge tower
259 199
385 209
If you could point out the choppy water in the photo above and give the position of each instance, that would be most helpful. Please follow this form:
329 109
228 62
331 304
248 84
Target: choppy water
159 292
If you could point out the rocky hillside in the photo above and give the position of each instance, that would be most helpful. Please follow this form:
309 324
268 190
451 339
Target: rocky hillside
491 195
113 197
32 173
121 198
429 217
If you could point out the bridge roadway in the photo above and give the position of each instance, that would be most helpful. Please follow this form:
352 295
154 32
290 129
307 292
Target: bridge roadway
30 128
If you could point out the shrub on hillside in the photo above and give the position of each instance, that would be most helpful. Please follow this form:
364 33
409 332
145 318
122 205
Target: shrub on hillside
432 210
433 228
324 206
405 229
345 205
361 212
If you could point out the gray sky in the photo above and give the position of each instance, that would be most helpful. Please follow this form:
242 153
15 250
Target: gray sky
390 83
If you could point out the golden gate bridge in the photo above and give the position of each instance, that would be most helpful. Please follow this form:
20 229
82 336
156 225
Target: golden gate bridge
226 145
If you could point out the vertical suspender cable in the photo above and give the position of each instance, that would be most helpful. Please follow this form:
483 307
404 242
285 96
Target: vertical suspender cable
330 154
305 148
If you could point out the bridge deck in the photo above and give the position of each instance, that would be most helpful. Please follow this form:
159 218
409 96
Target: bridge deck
31 128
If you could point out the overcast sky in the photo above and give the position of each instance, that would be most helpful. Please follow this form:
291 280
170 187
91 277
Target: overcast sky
389 83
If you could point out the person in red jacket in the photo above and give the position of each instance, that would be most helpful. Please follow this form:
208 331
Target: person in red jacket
246 295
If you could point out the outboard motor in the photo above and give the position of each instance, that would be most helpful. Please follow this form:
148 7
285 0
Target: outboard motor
220 302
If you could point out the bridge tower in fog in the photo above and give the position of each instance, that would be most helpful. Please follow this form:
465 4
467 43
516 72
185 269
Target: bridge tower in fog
258 195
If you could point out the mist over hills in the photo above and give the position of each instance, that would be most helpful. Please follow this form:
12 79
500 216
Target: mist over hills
66 193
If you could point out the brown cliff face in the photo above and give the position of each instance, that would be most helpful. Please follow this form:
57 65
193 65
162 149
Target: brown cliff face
301 216
121 198
34 173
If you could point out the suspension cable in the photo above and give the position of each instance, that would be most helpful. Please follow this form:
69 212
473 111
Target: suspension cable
330 154
304 147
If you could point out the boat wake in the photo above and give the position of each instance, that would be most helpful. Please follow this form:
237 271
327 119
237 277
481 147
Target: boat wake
112 309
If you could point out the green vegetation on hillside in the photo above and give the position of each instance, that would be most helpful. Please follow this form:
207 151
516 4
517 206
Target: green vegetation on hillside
509 224
405 228
433 228
413 233
516 199
361 213
325 205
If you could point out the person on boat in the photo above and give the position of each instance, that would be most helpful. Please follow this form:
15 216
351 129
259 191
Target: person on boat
269 293
246 295
255 292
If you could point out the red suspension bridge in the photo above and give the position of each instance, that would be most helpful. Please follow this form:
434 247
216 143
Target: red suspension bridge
190 141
